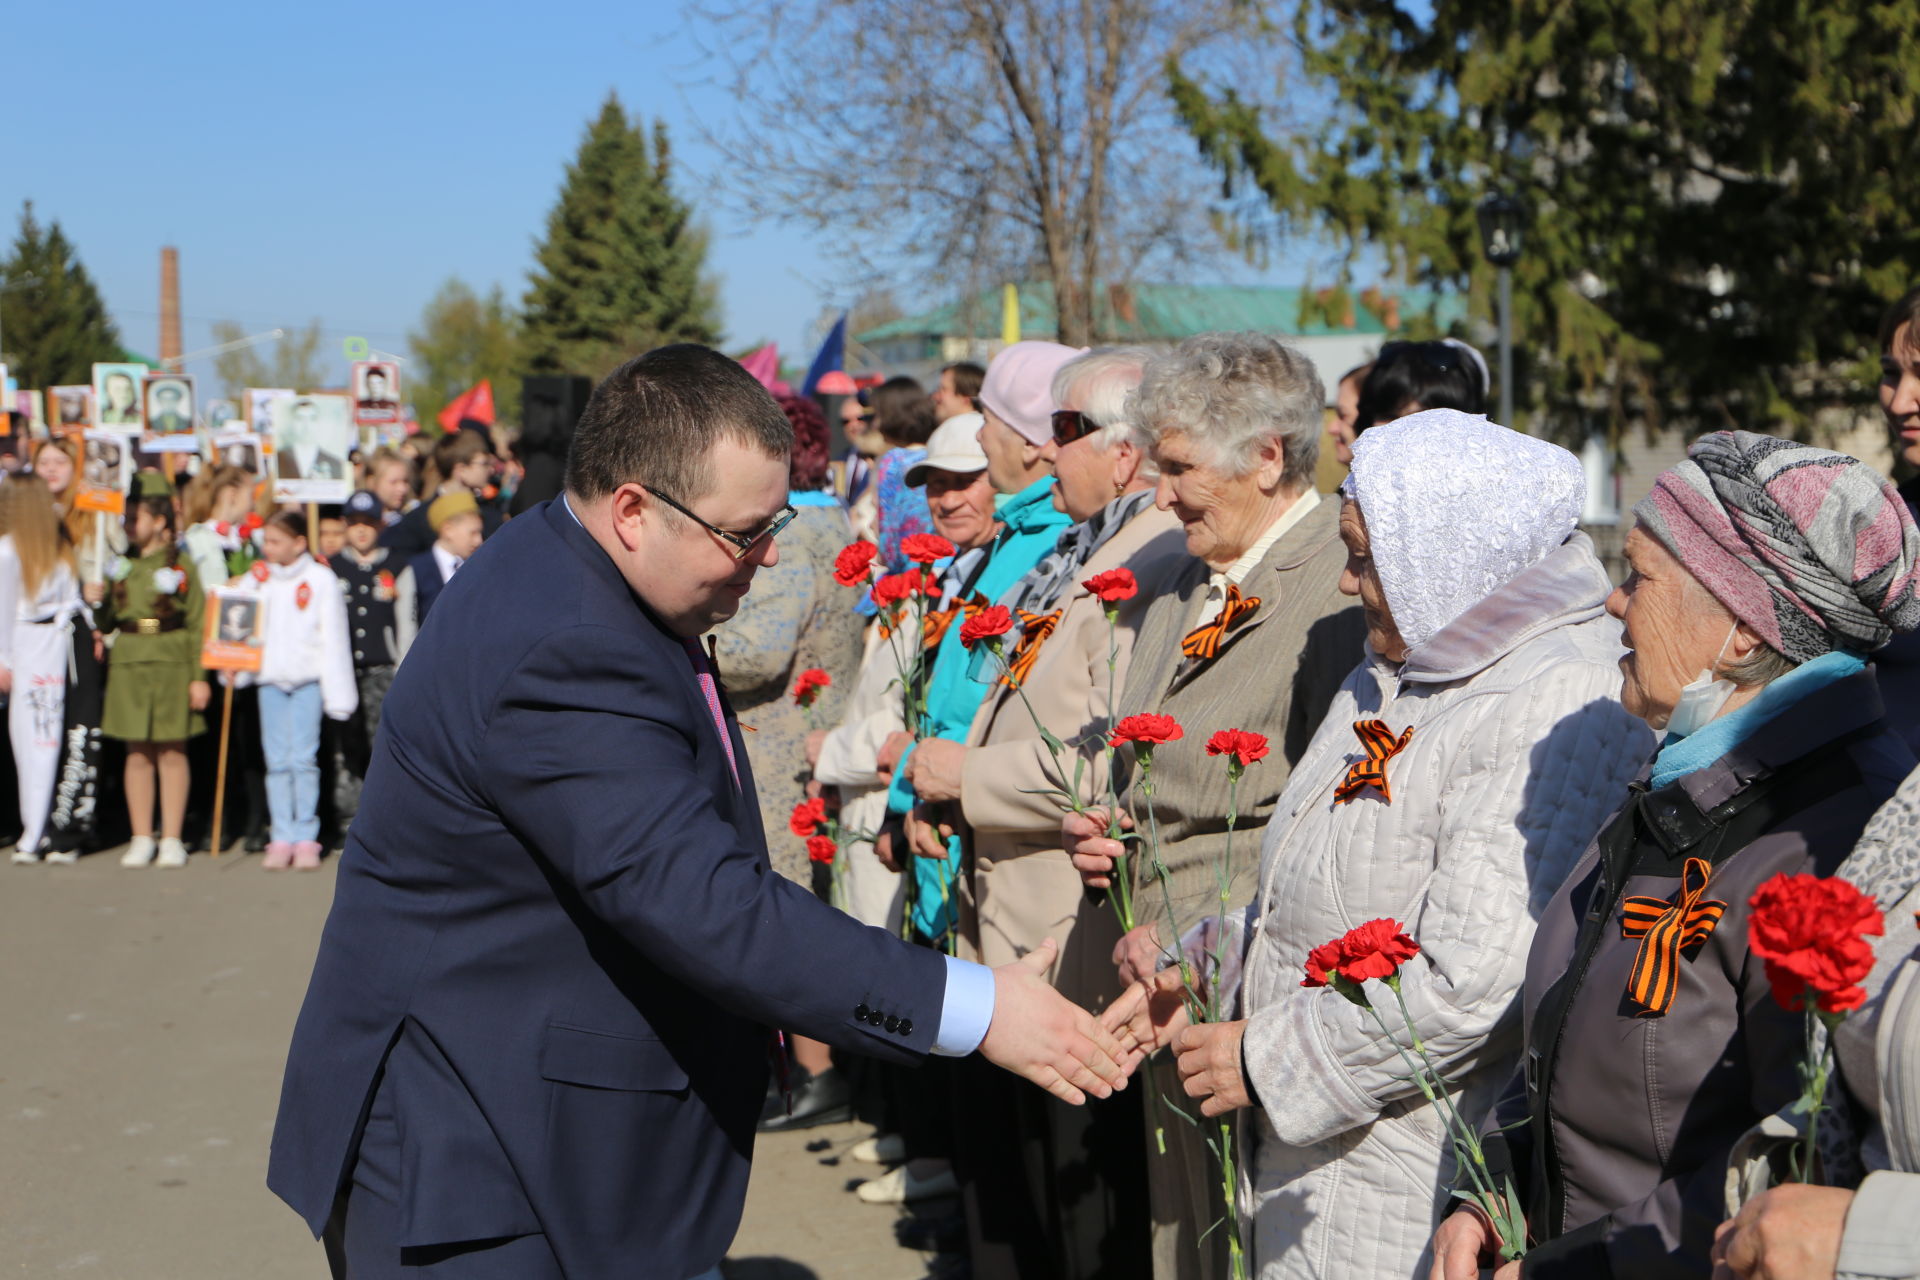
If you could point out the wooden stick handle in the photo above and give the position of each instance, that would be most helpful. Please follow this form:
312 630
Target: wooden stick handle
220 767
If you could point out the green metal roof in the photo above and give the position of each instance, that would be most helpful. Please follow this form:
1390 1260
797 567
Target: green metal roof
1169 312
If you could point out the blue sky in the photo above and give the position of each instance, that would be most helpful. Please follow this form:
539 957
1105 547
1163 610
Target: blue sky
342 164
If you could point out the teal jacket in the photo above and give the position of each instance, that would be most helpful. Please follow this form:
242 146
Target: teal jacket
959 685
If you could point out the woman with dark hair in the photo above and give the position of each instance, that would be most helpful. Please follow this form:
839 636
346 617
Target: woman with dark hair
1899 663
895 415
902 412
1407 377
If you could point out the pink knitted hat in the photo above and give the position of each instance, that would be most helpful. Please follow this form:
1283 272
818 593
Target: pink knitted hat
1019 386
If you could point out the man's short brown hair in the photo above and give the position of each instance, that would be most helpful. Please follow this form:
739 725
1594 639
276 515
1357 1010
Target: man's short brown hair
656 419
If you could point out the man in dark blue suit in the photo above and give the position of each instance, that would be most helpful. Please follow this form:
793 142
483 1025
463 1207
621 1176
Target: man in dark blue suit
537 1037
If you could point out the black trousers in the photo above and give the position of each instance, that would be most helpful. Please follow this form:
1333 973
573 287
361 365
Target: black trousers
1050 1189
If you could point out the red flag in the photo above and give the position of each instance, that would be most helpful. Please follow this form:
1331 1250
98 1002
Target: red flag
475 402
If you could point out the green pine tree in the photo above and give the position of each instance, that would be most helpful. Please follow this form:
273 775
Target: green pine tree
622 268
1721 198
53 324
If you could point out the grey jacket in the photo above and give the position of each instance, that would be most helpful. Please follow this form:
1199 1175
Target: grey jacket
1626 1120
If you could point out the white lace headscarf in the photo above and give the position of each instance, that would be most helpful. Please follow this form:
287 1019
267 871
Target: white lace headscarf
1456 506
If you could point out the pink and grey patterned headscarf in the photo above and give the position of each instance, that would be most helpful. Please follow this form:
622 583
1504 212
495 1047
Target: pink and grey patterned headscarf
1812 549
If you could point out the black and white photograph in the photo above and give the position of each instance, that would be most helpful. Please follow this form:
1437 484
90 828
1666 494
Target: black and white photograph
116 395
169 413
376 391
260 402
312 442
71 408
237 449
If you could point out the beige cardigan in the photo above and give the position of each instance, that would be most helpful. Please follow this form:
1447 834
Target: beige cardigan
1275 674
1021 887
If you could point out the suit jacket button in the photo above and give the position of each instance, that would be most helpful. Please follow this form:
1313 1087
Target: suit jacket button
906 1026
892 1024
860 1013
875 1018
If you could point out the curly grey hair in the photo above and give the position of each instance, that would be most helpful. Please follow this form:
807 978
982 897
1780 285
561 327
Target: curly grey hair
1227 392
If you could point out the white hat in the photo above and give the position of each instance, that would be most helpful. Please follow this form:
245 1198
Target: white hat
954 446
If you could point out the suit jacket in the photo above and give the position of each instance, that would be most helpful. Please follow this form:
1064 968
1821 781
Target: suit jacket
1022 888
326 466
556 934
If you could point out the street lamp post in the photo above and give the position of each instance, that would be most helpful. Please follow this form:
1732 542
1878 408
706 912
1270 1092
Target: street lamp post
1500 227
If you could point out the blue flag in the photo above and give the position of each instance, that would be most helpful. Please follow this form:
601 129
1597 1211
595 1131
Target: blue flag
832 354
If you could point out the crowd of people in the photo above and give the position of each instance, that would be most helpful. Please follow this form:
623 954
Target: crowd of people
1557 799
109 707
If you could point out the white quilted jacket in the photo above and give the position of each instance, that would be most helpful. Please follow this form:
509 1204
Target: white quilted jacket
1520 752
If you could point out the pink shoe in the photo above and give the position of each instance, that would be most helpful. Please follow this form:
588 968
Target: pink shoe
306 856
279 856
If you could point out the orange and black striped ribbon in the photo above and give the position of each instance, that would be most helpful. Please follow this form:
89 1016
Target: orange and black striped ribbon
1381 746
934 628
1203 642
1666 927
1034 630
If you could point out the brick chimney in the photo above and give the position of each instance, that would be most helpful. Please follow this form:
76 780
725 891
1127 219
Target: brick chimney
169 304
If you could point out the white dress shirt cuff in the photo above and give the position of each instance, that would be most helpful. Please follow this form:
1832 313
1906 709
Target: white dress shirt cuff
966 1010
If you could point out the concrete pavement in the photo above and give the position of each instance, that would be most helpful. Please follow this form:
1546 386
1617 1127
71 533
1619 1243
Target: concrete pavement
144 1017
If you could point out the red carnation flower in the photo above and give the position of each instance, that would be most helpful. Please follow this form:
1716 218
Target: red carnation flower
1113 586
821 849
1242 745
808 815
1811 934
1322 963
809 685
1375 949
1147 730
925 548
851 565
988 624
896 587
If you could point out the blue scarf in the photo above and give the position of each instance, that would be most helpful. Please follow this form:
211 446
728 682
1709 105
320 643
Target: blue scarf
1682 756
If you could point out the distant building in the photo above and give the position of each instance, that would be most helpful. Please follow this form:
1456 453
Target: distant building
1334 329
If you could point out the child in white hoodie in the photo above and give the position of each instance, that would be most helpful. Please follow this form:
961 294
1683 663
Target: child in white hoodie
306 668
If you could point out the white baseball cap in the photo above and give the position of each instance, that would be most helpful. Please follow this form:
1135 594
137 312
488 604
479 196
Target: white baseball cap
954 446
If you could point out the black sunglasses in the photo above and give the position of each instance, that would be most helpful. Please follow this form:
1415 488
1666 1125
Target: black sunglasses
1070 425
742 543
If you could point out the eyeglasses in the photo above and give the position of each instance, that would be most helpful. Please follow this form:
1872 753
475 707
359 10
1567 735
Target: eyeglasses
742 543
1070 425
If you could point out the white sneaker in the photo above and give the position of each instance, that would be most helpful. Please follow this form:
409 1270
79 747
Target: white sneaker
882 1148
63 857
173 853
139 853
896 1186
25 857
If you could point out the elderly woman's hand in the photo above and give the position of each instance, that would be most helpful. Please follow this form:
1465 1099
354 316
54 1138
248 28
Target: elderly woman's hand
1138 954
1209 1064
816 740
898 743
1153 1012
1084 836
927 838
934 769
883 851
1791 1232
1463 1246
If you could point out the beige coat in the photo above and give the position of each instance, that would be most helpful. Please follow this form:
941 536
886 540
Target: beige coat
1275 674
1022 888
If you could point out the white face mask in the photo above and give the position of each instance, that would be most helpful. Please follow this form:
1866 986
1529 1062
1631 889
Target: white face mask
1701 699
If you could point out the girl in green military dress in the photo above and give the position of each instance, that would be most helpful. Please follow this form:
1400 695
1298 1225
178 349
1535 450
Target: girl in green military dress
156 688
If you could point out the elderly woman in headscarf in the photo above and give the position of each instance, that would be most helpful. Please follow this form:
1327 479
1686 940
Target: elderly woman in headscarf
1763 574
1464 765
1253 634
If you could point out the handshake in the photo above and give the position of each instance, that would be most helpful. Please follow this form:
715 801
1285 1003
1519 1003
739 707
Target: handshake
1038 1033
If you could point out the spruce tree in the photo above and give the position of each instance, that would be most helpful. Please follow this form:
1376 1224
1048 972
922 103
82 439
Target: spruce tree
1721 199
622 266
53 323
